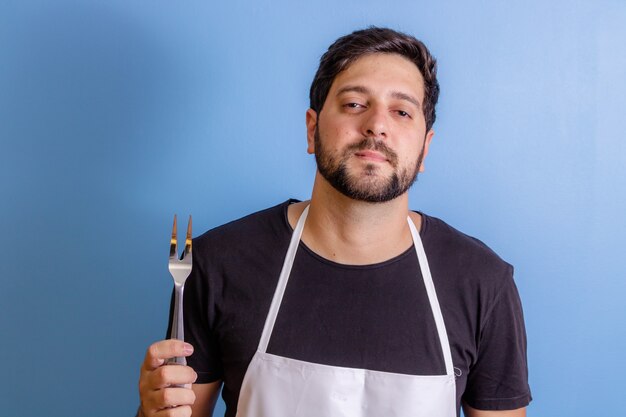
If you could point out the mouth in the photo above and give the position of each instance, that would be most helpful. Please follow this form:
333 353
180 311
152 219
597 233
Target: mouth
372 156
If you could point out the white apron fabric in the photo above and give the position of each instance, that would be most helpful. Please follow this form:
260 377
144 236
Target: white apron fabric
275 386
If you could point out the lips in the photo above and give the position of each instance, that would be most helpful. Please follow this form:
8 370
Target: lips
372 150
371 156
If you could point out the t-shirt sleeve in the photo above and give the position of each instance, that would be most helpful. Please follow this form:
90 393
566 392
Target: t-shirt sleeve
498 380
198 322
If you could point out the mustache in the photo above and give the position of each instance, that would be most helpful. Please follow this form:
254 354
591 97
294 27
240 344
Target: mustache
370 143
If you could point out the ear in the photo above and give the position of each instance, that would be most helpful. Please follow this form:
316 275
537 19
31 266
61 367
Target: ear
427 140
311 125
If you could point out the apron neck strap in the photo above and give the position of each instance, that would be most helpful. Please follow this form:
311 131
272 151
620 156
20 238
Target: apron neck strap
282 282
432 297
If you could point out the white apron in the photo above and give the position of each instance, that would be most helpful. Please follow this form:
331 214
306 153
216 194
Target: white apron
275 386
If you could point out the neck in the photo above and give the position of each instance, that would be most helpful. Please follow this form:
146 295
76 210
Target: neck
353 232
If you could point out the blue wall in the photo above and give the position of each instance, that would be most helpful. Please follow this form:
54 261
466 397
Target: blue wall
114 115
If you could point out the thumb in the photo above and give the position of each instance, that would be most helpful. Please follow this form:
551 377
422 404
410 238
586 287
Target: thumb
158 352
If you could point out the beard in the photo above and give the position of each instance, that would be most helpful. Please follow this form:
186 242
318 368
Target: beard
367 186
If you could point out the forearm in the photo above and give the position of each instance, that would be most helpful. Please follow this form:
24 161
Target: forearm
206 397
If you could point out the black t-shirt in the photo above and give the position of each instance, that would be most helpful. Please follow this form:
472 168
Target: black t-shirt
373 317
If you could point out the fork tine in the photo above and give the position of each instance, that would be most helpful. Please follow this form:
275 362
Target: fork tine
174 241
188 239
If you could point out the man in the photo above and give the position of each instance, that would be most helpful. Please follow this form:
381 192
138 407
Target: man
349 304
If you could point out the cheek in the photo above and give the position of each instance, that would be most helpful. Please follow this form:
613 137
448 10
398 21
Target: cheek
336 130
336 137
410 155
338 124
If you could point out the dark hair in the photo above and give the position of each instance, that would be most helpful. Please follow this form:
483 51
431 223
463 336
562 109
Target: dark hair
349 48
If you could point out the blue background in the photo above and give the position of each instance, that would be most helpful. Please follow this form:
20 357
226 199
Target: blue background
114 115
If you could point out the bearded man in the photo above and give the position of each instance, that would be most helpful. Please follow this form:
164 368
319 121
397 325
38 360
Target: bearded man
349 304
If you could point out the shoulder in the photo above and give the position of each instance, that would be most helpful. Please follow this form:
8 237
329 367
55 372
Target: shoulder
465 268
263 228
242 246
270 217
444 241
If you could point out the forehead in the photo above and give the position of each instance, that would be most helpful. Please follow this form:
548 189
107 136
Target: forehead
382 71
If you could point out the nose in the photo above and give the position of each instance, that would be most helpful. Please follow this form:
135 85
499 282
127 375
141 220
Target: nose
375 124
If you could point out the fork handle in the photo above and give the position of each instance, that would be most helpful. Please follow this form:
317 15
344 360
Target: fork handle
179 360
178 328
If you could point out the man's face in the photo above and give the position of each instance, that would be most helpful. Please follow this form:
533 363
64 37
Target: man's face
370 138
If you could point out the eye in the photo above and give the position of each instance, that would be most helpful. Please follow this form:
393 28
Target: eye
402 113
353 105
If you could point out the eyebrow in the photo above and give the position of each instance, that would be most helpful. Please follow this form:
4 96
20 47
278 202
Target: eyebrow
364 90
403 96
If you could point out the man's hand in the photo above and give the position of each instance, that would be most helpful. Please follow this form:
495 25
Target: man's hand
159 398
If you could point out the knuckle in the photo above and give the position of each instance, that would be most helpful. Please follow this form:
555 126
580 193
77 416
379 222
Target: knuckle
161 374
151 401
181 411
143 380
168 372
153 351
190 374
144 387
166 396
184 411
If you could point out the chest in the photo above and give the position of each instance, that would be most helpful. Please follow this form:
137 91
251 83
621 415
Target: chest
378 319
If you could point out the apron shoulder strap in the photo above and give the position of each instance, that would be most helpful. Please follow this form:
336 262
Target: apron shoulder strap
282 282
432 297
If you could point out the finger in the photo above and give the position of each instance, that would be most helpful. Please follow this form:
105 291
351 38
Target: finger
168 375
168 398
174 397
182 411
165 349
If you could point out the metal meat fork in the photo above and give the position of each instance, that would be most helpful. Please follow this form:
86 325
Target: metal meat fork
180 270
